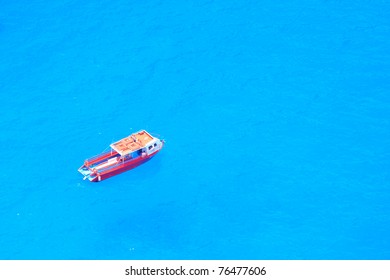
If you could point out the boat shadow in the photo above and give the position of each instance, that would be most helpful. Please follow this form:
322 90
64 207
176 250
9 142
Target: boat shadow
153 232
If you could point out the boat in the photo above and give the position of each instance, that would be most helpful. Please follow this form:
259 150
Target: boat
123 155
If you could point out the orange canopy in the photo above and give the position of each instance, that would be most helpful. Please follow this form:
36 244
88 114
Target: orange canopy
132 143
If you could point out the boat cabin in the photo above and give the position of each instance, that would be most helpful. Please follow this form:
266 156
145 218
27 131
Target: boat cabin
137 144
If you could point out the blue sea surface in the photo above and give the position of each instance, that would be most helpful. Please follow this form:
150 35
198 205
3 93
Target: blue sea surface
276 116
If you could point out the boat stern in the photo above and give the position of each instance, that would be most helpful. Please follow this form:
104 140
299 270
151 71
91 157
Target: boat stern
87 173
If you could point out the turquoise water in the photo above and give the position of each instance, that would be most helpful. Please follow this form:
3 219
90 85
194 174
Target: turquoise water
276 118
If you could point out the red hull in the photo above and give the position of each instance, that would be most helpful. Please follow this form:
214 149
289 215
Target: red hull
122 168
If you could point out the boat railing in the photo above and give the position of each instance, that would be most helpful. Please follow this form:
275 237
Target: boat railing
105 169
100 155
